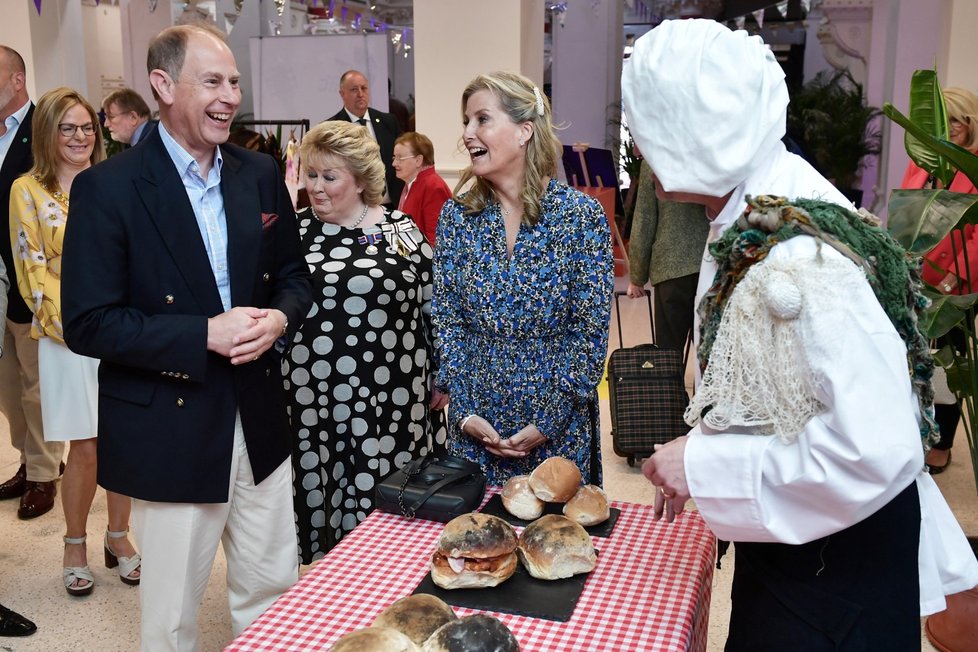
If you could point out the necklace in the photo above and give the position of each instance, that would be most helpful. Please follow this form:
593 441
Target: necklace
363 214
56 193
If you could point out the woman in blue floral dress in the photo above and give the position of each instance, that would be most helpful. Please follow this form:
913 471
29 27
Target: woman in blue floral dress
523 280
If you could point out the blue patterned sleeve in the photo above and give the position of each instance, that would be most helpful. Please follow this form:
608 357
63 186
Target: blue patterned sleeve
447 305
584 345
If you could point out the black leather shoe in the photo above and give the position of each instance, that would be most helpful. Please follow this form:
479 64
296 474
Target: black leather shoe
37 500
13 624
15 486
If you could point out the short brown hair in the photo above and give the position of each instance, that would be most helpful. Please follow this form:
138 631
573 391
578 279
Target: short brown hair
48 113
168 49
350 145
419 144
127 100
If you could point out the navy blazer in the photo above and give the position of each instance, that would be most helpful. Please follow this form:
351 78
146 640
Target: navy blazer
387 130
147 131
18 161
137 290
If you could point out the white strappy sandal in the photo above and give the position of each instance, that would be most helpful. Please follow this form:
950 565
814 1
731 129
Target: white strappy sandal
72 575
127 565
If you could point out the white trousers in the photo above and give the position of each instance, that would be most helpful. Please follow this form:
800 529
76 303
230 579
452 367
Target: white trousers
178 542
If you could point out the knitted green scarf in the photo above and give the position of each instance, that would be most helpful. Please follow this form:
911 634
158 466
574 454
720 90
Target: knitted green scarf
893 274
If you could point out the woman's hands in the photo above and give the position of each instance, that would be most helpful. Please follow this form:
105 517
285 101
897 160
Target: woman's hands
519 445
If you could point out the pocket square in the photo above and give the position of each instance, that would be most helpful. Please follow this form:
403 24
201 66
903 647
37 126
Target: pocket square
267 220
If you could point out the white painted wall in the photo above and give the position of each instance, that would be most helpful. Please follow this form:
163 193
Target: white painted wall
586 72
455 40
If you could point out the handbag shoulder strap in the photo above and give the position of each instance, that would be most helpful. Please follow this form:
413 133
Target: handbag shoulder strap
444 482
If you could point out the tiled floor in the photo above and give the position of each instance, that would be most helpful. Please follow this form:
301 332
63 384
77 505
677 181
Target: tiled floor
107 621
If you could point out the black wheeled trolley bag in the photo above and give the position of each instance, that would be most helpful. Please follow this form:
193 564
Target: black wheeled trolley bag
647 394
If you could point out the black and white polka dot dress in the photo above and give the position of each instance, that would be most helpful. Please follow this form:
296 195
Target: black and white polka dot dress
358 374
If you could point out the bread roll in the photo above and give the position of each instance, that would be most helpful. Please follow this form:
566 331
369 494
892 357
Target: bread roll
589 506
475 550
375 639
475 574
555 547
555 480
476 633
416 616
519 500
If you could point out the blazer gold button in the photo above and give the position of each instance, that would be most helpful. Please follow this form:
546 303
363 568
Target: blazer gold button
168 298
179 402
265 277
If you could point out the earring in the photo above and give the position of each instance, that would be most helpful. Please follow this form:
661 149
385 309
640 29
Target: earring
522 142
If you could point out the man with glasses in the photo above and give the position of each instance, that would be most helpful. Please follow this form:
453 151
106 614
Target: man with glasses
383 127
20 399
127 116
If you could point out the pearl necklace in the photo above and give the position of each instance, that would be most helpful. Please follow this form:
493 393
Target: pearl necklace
363 214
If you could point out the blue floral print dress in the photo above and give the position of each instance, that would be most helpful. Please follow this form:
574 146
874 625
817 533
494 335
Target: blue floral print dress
523 338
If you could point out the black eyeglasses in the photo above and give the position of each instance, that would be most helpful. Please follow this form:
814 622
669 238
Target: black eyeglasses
69 130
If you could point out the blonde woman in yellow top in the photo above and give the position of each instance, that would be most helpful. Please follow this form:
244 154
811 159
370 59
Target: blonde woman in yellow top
67 140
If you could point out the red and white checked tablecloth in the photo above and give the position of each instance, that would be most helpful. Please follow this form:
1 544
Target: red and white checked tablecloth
650 591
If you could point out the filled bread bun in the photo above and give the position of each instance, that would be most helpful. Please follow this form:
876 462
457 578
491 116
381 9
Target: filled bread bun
474 551
555 480
476 633
375 639
589 506
416 616
554 547
519 500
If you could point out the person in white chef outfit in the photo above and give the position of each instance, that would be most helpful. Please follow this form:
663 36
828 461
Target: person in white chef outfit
807 446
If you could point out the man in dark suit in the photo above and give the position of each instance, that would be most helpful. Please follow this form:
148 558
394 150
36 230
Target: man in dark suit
183 275
20 399
383 127
127 116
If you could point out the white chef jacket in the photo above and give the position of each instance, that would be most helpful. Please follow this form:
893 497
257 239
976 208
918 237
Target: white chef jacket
851 459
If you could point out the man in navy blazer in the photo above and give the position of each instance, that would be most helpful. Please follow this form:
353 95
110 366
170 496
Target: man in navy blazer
127 116
182 273
20 398
383 127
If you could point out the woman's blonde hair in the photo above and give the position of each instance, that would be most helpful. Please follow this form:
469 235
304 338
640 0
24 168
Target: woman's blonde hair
351 145
523 102
48 114
962 105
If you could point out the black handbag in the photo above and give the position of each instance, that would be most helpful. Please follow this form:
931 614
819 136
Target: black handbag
435 488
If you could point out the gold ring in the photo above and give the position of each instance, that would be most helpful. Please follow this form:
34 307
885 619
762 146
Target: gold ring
665 495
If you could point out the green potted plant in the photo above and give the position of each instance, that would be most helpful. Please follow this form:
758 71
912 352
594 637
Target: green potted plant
919 220
830 120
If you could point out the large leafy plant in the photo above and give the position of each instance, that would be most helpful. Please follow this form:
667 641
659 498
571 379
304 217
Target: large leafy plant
831 121
920 219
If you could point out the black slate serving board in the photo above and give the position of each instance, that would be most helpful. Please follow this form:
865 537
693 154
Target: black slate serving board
495 507
521 594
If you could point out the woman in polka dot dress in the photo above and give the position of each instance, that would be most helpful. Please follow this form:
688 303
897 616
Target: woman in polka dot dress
359 372
523 280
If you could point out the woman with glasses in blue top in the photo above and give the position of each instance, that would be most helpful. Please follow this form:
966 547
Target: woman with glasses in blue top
67 140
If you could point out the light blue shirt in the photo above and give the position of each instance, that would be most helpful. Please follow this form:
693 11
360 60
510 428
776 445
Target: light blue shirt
208 204
13 122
